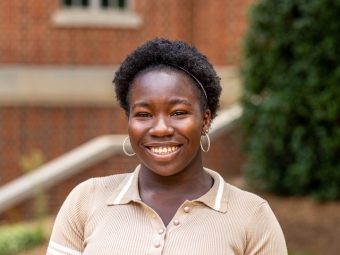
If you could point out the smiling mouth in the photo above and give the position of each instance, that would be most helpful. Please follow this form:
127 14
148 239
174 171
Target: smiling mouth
163 150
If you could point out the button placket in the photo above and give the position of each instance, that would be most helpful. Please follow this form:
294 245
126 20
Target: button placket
158 228
182 213
158 235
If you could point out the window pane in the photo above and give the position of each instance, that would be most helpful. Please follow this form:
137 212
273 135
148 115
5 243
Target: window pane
105 3
67 2
114 3
75 2
121 3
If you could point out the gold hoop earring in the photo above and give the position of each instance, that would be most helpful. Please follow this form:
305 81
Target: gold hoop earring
130 155
208 143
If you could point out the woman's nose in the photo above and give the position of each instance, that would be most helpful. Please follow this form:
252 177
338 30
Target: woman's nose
161 126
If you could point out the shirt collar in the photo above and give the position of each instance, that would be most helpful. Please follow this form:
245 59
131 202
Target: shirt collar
127 191
216 198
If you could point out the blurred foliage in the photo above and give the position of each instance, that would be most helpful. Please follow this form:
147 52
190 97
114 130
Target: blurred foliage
291 101
16 238
20 237
29 163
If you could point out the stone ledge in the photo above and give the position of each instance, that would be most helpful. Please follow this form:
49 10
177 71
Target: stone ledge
81 85
96 18
64 85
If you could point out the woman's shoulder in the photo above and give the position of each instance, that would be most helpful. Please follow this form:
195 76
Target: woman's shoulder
243 202
104 184
248 209
238 194
260 224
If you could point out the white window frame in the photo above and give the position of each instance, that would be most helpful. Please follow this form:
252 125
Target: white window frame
95 4
96 16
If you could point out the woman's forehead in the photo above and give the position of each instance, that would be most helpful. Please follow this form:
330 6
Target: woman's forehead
162 83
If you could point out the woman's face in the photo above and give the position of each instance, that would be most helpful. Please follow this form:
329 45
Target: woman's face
166 122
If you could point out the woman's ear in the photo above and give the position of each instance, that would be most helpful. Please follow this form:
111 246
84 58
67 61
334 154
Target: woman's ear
206 121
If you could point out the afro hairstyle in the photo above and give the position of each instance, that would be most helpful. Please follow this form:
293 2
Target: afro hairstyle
161 53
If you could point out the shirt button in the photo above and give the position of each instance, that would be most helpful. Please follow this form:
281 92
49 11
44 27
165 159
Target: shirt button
157 244
186 209
160 231
176 222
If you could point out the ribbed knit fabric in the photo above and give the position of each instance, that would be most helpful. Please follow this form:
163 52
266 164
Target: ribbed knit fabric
105 216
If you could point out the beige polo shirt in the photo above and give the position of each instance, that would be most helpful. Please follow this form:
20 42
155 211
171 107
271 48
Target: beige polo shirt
105 216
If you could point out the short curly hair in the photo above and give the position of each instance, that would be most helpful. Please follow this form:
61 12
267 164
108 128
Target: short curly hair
161 53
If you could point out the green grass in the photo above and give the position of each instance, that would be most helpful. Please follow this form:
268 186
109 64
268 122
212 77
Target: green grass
20 237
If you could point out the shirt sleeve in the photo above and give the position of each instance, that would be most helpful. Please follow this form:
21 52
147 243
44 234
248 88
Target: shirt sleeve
68 231
264 235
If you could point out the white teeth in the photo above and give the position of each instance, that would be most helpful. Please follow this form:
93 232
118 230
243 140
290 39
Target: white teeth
163 150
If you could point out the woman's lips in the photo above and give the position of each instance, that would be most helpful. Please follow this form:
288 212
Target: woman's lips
163 150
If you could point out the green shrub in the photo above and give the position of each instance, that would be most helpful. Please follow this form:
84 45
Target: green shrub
19 238
291 103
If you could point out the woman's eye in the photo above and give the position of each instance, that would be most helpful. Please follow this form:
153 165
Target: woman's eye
178 113
143 115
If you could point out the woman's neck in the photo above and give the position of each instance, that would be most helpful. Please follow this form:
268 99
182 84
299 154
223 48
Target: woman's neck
165 194
190 183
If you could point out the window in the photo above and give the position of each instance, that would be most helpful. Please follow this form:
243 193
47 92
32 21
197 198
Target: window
121 4
97 13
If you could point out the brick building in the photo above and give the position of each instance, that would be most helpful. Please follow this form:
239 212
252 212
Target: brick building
43 32
57 60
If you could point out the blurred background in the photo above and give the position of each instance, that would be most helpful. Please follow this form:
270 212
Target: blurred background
57 62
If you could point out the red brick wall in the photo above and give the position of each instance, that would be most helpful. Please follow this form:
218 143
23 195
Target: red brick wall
27 35
52 130
225 155
218 29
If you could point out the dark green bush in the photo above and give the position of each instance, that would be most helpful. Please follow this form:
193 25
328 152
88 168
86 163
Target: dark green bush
14 239
291 103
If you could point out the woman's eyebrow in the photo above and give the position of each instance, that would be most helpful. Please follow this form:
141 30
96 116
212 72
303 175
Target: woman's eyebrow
140 104
179 101
171 102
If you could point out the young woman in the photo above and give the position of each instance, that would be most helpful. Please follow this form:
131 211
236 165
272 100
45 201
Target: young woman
170 204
